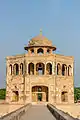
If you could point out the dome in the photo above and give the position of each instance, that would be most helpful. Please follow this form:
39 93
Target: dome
39 37
40 40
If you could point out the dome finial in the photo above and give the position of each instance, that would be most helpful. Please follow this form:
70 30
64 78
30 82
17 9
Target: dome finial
40 31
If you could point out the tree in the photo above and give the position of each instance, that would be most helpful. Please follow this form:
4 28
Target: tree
76 93
2 93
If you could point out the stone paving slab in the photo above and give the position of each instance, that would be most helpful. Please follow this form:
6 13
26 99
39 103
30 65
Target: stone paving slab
38 112
6 108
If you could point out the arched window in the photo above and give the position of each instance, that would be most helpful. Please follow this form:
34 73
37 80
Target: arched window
39 68
58 69
10 68
64 69
48 51
32 51
21 68
64 96
40 51
69 70
16 69
49 68
31 69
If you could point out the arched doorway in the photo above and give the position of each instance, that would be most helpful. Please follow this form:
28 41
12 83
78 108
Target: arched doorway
15 96
64 96
39 94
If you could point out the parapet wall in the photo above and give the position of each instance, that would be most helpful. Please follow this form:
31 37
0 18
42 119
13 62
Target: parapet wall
58 114
17 114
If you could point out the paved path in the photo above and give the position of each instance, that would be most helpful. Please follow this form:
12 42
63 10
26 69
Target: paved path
38 112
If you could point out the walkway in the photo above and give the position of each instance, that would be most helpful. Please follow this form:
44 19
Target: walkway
38 112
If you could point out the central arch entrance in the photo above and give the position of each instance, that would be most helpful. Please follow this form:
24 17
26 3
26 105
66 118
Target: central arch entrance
39 94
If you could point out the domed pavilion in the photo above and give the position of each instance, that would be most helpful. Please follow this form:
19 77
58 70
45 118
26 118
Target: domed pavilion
40 75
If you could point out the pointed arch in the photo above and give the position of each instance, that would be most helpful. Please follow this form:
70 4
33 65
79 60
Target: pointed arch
15 96
58 69
16 69
32 51
10 69
64 96
21 68
48 51
48 68
69 70
40 51
64 69
40 68
31 69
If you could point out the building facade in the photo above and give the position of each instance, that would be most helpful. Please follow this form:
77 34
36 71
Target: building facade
40 75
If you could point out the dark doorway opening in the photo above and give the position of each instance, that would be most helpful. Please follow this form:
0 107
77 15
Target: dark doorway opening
39 96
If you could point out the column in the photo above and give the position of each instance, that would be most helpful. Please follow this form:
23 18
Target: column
24 67
67 71
72 69
45 69
19 68
50 51
27 69
53 68
29 52
35 50
34 69
45 50
14 69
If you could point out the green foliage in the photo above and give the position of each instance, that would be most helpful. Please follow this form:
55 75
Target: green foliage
2 93
76 93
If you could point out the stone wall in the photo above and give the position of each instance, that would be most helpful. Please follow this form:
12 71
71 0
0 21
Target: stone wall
19 86
64 83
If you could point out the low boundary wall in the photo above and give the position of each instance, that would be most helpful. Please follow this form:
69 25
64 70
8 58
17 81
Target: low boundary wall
59 114
17 114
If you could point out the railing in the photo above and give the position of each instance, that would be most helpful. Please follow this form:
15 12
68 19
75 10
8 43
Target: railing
17 114
58 114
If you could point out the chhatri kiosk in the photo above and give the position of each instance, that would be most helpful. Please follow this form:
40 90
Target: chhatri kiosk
40 75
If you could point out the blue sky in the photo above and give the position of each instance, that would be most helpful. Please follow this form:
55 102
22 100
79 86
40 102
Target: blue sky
22 19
